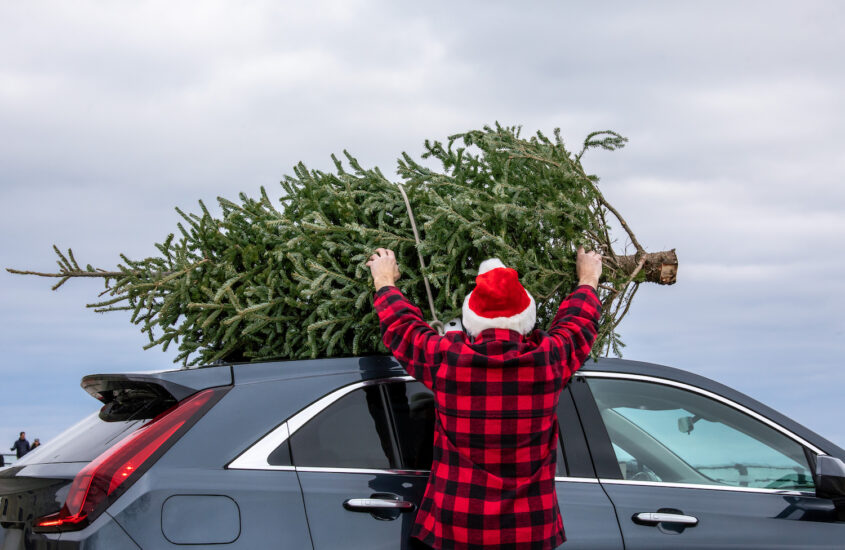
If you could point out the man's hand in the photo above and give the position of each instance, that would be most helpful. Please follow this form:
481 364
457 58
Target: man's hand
383 266
588 268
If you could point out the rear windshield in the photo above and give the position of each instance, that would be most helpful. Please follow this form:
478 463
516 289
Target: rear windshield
82 442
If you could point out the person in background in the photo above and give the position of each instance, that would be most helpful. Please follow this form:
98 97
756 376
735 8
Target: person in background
35 443
20 446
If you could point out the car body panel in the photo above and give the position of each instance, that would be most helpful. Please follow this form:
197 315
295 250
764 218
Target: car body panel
103 533
269 504
726 519
247 413
334 526
589 520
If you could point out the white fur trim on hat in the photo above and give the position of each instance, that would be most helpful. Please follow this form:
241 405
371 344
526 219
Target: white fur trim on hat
487 265
522 322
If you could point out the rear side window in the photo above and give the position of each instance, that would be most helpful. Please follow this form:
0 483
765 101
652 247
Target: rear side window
353 432
383 426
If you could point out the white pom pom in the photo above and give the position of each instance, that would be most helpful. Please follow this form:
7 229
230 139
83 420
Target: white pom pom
490 264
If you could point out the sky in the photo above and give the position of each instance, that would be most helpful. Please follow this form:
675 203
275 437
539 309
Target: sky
112 114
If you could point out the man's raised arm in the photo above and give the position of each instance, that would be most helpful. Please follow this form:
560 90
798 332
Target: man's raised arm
575 327
411 340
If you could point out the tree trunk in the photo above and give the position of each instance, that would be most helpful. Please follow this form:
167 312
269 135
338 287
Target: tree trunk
659 267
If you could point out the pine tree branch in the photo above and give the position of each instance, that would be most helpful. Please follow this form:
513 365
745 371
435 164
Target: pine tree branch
599 195
627 306
74 273
606 232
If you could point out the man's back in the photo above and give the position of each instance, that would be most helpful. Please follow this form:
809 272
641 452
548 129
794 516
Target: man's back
497 395
492 477
496 390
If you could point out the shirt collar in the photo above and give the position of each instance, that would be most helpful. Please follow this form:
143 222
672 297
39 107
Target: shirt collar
490 334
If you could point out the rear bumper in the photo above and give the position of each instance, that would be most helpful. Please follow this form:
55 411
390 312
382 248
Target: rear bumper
103 534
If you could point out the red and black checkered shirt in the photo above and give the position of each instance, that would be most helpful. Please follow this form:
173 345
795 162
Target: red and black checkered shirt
492 481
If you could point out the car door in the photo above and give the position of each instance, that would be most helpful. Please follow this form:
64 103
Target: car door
346 456
588 517
688 469
363 455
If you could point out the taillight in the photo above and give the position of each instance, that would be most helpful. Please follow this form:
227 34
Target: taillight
113 472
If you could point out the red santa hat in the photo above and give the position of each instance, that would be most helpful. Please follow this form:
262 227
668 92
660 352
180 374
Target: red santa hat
498 301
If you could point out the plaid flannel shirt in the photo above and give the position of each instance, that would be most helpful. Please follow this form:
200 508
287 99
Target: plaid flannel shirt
495 439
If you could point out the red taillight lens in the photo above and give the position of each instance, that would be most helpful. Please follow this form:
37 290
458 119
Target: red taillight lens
111 473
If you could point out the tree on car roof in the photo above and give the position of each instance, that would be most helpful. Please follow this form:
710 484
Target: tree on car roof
287 280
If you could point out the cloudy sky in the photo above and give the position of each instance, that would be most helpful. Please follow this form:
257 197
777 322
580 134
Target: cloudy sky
113 113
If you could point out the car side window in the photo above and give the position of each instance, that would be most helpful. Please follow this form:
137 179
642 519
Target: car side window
352 432
665 434
412 410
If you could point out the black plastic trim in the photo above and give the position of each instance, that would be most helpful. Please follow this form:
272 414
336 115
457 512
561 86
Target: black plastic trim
598 440
576 455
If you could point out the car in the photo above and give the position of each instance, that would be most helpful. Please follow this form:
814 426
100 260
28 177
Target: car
334 453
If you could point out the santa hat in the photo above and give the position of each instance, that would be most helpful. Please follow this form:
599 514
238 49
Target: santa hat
498 301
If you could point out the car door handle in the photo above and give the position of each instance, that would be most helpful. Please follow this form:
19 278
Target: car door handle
653 518
367 504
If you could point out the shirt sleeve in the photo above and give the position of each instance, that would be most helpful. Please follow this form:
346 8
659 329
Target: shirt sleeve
575 327
412 341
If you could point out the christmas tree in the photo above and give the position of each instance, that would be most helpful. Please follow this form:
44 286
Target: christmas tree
286 281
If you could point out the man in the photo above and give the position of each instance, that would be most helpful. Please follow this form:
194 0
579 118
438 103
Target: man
20 446
496 391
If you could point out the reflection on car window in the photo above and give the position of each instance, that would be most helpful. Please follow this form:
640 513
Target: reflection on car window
412 405
661 433
280 456
351 433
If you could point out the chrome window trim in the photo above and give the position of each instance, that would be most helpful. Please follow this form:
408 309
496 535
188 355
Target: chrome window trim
406 472
710 487
255 457
706 393
268 467
577 479
305 415
362 471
